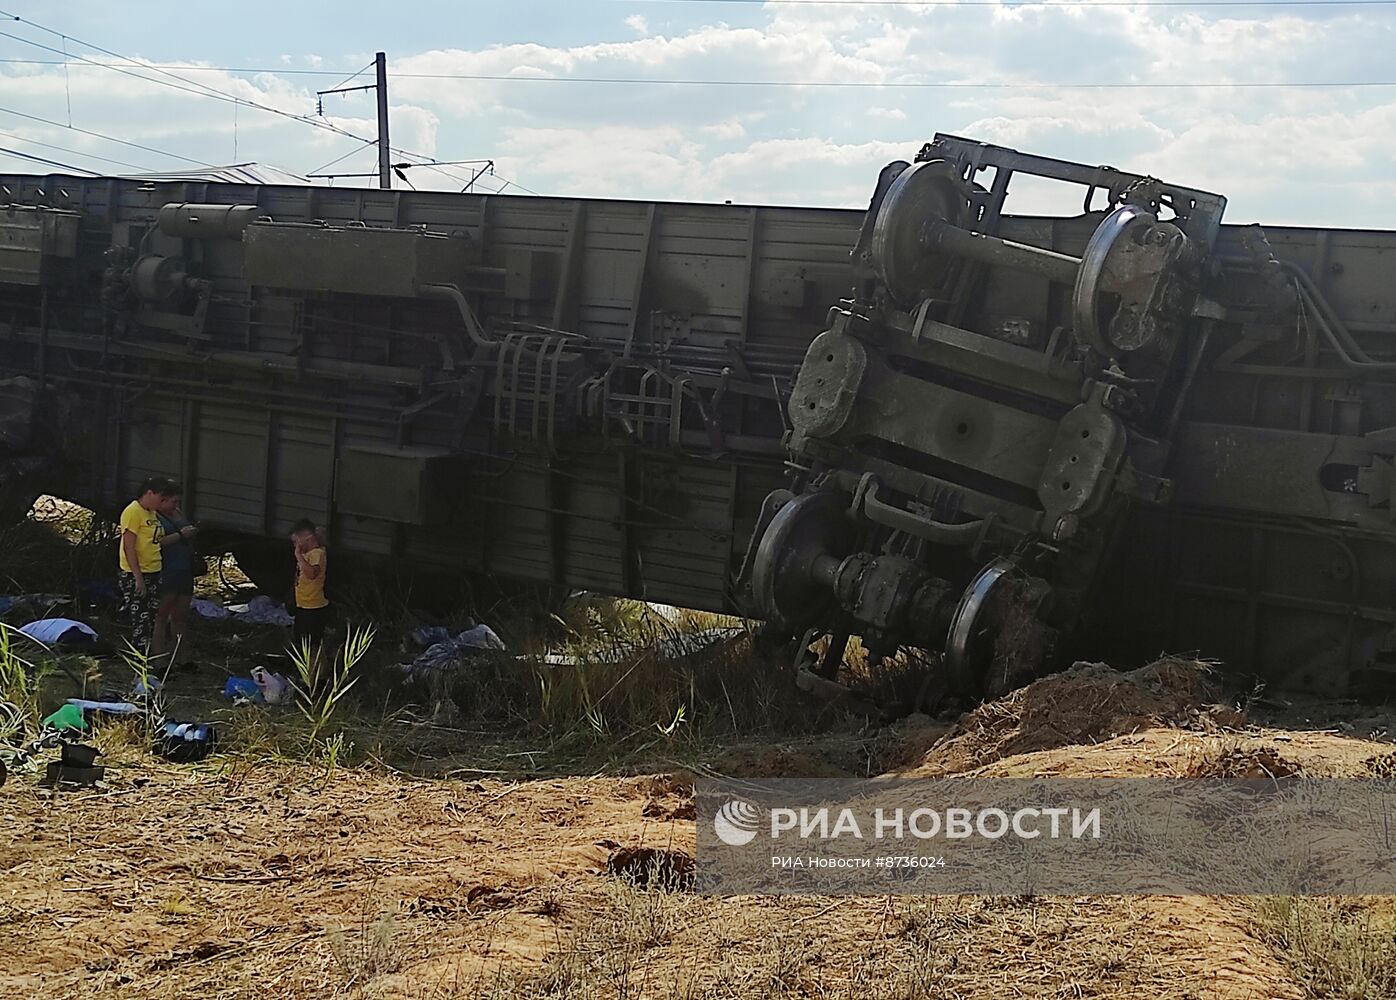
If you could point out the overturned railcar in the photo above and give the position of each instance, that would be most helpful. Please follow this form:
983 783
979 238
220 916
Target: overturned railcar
1008 440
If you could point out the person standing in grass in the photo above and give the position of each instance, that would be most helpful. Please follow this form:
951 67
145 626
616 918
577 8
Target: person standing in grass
140 558
176 583
312 608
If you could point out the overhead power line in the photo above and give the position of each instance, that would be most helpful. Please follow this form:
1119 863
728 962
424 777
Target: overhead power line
102 135
912 84
52 163
826 84
1010 4
205 90
198 89
74 152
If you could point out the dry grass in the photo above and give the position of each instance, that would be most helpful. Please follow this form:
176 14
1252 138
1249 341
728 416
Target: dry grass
635 681
1339 948
652 944
369 949
271 870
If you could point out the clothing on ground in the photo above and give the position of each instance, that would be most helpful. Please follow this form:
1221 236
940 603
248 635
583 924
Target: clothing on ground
145 525
105 707
454 650
261 610
56 630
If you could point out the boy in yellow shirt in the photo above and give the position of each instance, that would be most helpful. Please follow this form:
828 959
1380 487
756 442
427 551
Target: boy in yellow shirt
139 555
312 612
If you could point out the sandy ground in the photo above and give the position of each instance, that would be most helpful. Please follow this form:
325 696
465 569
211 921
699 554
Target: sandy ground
239 877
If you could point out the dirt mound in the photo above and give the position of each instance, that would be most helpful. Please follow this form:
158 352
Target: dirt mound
776 762
652 868
1383 765
902 744
1089 703
658 786
1245 763
684 811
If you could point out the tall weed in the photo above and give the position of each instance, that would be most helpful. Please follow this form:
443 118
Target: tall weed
19 686
325 679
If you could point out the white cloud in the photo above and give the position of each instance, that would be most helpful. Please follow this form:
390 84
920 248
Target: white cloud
729 129
1269 150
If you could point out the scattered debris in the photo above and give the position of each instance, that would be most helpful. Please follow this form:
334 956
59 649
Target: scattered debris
75 766
56 631
205 608
1245 763
23 757
67 718
444 651
89 707
185 742
242 690
261 610
275 689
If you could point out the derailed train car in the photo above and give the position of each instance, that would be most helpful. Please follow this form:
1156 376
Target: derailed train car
1007 440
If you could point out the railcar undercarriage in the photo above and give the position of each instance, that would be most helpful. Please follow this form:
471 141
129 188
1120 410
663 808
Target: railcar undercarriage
1011 442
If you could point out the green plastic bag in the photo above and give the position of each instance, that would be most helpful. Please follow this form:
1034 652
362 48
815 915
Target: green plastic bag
67 717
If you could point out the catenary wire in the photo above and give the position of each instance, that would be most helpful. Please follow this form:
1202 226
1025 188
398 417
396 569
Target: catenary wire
52 163
204 90
828 84
74 152
102 135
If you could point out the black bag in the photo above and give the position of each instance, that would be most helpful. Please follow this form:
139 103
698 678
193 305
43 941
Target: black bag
184 742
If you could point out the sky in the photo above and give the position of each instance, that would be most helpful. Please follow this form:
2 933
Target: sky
847 87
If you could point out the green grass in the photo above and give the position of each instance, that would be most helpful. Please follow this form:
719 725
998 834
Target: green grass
619 699
20 684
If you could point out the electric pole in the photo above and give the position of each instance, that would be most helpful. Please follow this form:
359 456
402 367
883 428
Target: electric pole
385 169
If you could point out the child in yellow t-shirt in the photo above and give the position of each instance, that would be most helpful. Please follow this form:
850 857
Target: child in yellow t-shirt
139 555
312 612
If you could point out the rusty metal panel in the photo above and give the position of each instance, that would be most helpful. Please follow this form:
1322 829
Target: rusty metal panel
390 262
34 243
402 485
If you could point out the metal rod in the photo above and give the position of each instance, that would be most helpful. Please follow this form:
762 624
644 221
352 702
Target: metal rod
385 167
1049 264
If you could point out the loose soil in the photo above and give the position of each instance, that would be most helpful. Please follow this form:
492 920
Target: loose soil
245 877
